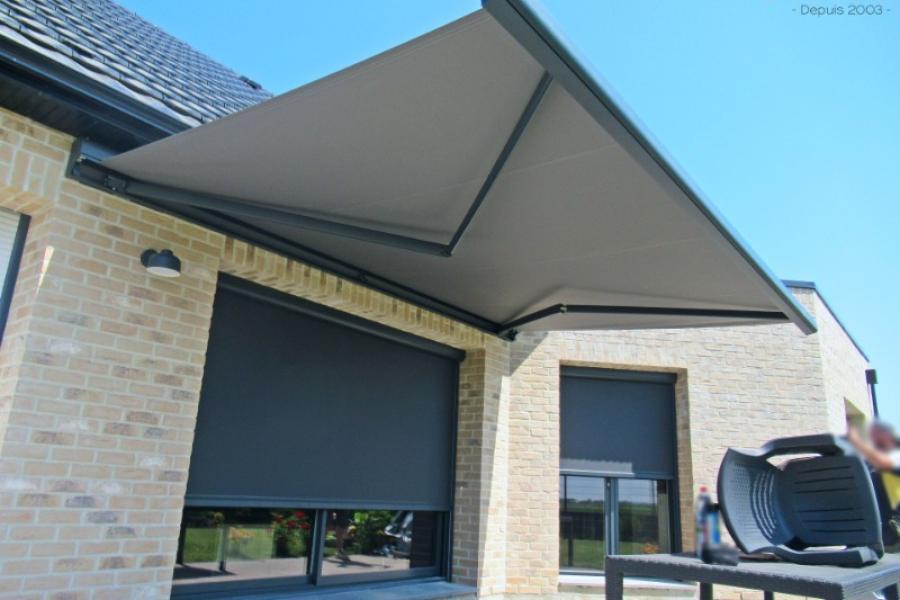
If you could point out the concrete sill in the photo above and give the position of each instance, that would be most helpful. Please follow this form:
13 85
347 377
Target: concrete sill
403 590
596 584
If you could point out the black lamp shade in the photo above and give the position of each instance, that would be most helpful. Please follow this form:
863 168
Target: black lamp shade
163 263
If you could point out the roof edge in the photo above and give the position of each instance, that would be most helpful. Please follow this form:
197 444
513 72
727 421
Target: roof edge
531 27
121 117
811 285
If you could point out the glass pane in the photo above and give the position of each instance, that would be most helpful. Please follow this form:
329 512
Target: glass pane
236 544
581 523
378 542
643 517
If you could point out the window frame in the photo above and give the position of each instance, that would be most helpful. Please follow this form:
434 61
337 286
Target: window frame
313 579
12 270
611 486
611 513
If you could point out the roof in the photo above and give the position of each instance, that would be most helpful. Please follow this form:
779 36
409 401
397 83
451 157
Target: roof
811 285
118 49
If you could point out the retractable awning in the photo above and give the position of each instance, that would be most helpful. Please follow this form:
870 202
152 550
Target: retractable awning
481 170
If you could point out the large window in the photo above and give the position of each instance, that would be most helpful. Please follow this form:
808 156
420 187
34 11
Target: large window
323 450
293 547
617 468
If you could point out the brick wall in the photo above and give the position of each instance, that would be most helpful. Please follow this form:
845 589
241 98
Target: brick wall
843 368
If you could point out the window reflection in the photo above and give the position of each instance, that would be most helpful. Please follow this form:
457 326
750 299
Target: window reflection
582 526
643 516
222 544
379 541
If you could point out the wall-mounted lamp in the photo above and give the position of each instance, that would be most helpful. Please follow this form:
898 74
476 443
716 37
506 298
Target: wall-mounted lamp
163 263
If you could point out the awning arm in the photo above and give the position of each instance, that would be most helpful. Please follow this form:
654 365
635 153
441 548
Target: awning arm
86 152
511 142
509 329
84 167
531 26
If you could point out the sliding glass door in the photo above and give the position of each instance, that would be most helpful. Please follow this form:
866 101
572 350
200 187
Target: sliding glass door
599 516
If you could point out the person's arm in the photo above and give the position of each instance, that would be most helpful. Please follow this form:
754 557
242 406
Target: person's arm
880 461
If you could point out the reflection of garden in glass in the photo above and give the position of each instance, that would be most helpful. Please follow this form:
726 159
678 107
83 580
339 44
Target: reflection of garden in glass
364 535
374 541
231 544
639 513
643 516
582 522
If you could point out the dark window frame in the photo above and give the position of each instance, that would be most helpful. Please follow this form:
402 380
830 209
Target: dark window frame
313 579
12 271
611 513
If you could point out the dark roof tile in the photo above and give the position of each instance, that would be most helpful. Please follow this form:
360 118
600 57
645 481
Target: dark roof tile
107 42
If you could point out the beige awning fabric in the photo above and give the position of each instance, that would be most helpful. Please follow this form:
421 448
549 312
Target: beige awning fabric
480 168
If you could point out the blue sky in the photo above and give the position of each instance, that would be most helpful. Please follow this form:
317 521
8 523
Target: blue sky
789 123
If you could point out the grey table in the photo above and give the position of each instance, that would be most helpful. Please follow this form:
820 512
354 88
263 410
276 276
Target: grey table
829 583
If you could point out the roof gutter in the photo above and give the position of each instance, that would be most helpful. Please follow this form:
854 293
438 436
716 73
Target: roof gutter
531 28
113 116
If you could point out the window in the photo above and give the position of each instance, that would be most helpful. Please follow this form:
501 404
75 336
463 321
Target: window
13 227
374 544
279 547
635 512
642 507
582 522
323 450
617 467
221 545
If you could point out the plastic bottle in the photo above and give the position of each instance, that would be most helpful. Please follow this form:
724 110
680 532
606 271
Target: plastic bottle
703 513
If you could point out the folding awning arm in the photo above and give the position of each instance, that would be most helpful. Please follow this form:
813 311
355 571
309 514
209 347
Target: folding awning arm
509 330
86 165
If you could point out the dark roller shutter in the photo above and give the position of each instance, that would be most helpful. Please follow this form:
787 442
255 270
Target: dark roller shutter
303 406
617 423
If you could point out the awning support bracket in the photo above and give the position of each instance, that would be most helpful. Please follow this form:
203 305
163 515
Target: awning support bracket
509 330
89 153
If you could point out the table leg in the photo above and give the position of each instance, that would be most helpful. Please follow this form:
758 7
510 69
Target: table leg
615 584
706 591
768 595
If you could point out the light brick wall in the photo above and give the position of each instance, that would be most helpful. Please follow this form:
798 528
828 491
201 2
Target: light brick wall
101 364
843 368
